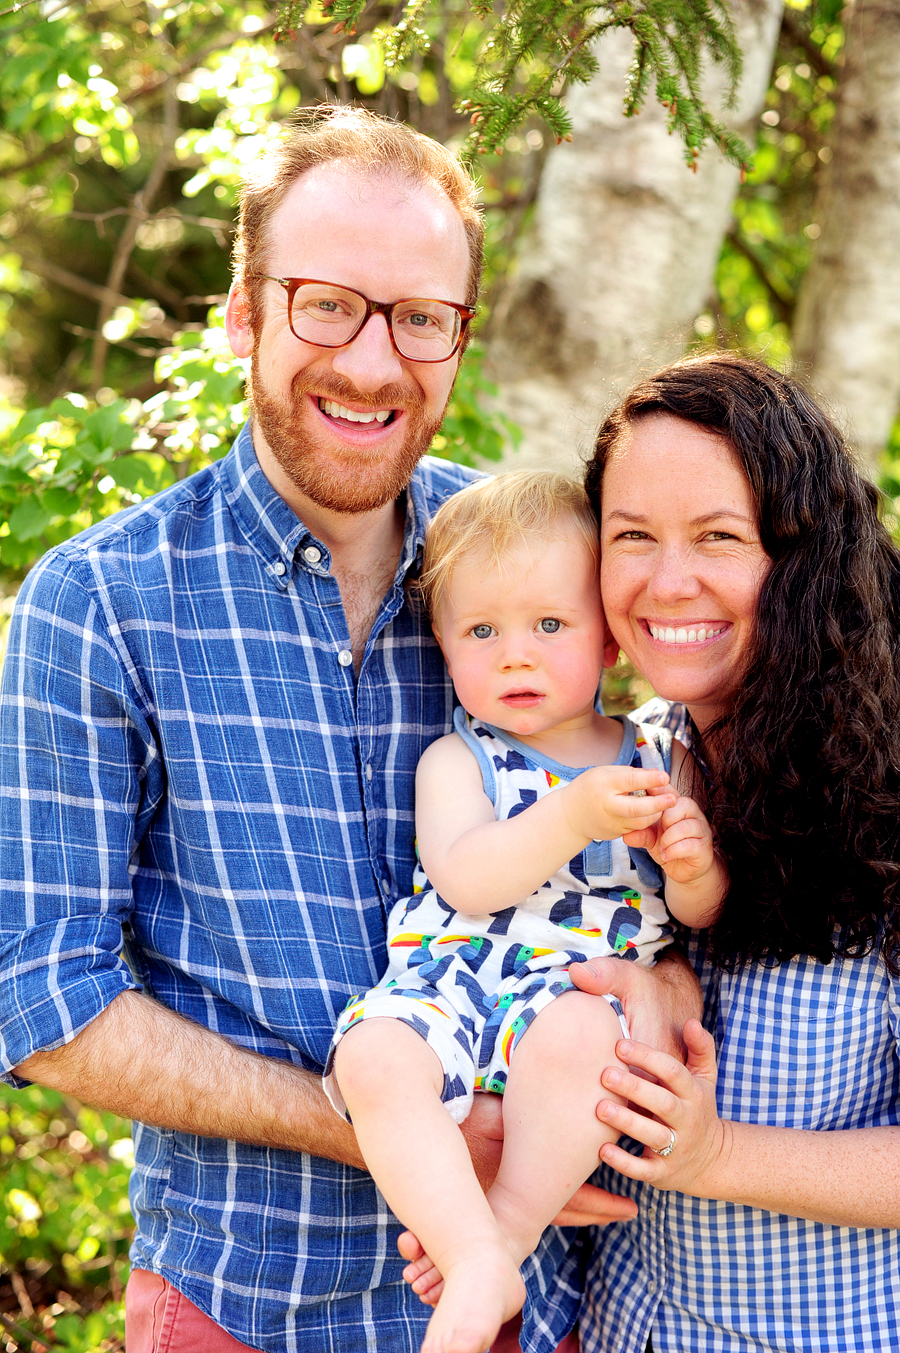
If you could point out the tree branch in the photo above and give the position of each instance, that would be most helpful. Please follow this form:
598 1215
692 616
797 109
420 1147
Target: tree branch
793 30
138 214
782 299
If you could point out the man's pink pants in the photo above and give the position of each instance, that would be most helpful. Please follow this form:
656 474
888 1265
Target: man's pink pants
158 1319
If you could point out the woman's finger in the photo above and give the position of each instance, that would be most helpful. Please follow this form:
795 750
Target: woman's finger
668 1071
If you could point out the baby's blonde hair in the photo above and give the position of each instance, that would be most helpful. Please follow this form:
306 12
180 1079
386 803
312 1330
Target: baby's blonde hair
492 516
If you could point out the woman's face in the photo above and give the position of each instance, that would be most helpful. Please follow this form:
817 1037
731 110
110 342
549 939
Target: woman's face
681 561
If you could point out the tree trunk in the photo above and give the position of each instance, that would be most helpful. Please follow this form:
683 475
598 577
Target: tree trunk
621 255
847 324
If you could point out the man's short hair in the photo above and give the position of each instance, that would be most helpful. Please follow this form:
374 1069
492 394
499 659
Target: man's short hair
493 516
359 138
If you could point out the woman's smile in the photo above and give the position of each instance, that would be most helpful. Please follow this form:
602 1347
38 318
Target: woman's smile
684 632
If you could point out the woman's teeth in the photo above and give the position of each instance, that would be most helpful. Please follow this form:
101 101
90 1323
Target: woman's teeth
352 415
683 636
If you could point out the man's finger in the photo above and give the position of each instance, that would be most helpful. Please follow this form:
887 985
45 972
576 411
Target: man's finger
591 1206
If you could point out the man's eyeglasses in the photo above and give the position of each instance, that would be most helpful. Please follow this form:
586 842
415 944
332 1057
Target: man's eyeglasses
330 317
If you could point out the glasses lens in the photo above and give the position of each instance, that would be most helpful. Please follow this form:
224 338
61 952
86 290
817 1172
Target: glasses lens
425 331
326 315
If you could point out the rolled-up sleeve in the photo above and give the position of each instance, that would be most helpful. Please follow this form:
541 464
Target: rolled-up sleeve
76 757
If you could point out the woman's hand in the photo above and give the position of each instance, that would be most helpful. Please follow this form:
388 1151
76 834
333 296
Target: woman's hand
681 1099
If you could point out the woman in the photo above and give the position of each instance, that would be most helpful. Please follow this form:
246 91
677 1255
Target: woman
745 573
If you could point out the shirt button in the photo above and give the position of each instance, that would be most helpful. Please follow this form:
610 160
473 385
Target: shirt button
385 885
312 555
281 568
651 1286
368 770
345 657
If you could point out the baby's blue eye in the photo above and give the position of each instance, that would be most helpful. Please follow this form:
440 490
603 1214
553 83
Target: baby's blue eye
549 625
482 631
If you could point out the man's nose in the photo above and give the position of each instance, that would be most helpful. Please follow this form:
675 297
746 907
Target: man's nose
369 361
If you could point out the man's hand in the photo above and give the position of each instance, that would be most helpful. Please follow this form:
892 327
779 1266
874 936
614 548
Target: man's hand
658 1001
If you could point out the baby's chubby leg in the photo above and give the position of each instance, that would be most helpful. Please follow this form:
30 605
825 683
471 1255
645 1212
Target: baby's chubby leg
391 1082
551 1134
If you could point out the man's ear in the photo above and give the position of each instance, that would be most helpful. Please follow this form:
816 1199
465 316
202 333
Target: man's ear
237 322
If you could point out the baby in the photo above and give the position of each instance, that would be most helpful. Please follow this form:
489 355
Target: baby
523 816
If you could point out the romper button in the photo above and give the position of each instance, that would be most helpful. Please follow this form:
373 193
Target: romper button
312 555
345 657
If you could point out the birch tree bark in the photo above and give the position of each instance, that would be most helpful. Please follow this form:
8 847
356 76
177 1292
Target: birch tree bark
847 322
621 255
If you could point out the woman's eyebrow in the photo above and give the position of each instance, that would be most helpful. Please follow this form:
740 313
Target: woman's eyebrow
718 514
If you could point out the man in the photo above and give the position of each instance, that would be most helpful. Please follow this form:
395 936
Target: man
213 708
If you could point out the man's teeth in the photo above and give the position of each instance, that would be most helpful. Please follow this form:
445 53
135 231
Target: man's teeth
683 636
353 415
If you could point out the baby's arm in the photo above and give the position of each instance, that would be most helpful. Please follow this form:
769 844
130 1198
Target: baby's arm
681 843
480 865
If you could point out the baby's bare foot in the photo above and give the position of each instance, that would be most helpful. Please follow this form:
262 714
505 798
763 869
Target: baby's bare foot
480 1293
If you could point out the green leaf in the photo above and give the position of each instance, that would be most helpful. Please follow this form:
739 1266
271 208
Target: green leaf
29 519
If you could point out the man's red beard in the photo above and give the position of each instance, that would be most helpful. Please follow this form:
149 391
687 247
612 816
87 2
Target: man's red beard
359 480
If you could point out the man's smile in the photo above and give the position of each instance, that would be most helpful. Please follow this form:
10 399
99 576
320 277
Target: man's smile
340 413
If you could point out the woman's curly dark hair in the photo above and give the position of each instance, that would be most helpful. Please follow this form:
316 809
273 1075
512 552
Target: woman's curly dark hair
804 798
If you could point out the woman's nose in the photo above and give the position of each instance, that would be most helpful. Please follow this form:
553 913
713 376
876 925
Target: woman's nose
674 577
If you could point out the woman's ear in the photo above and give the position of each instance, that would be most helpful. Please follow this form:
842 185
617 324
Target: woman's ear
237 322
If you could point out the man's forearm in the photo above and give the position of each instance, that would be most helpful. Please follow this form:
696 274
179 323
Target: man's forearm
140 1060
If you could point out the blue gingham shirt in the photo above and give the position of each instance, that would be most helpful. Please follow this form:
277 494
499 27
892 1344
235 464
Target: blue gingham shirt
801 1045
187 754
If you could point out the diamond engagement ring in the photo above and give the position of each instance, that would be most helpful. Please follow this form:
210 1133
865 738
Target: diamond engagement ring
668 1148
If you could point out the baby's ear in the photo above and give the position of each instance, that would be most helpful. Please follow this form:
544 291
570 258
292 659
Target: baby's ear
610 651
437 634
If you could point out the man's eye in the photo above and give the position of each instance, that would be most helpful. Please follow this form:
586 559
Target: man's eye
549 625
482 631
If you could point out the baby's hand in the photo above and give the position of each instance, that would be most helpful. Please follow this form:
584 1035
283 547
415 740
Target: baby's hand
680 842
608 801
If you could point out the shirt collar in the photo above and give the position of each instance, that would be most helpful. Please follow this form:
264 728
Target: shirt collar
274 530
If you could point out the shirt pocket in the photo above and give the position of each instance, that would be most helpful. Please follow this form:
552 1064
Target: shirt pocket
598 858
799 1045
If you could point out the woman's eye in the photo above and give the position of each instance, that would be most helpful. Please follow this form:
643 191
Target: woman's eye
482 631
549 625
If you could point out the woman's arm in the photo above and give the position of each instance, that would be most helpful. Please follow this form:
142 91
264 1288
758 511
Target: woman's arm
480 865
841 1178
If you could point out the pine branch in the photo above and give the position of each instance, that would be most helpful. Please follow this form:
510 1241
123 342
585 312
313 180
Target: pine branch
535 49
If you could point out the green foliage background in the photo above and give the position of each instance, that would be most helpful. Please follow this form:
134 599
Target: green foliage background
124 126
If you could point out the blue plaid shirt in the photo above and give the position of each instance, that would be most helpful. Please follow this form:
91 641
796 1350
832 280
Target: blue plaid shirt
188 757
801 1045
